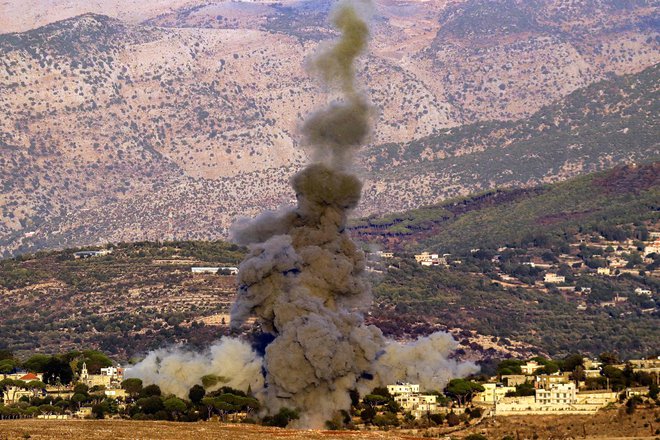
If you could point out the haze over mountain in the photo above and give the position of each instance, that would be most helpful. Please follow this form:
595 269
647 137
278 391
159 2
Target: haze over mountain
169 119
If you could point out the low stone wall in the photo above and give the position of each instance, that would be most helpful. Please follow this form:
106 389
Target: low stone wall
522 409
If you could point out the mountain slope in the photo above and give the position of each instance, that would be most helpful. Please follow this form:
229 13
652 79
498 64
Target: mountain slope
627 194
610 122
113 130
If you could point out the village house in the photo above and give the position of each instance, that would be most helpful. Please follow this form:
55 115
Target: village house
493 392
547 380
223 270
556 394
554 278
427 259
410 399
530 368
651 366
512 380
24 376
403 388
603 271
592 367
382 254
13 393
205 269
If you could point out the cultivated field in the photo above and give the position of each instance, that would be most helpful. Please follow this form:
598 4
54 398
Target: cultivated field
119 430
608 424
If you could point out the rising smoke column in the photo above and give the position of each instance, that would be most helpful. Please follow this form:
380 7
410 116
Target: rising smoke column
303 278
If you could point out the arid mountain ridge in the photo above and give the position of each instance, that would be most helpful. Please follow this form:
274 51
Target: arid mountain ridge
173 122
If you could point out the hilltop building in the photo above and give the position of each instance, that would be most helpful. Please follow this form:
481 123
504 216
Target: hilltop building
410 399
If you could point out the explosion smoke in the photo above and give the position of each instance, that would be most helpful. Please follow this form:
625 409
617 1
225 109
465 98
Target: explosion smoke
304 278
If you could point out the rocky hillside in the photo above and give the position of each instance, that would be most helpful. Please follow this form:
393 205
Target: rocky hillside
175 117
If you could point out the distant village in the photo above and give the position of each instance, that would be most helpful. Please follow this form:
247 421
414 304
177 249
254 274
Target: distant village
566 273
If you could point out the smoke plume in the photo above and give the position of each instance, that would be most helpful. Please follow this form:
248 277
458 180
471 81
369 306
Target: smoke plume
303 277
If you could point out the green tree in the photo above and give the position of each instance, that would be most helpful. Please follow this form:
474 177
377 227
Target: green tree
196 394
57 370
95 360
609 358
571 362
7 366
462 390
133 386
151 405
150 390
509 366
368 413
37 363
653 391
175 407
282 418
35 385
78 399
81 388
452 419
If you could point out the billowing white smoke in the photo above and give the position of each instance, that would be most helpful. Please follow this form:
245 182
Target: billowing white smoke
425 361
303 278
176 370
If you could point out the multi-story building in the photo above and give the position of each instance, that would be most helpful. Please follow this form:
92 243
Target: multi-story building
407 395
492 393
557 394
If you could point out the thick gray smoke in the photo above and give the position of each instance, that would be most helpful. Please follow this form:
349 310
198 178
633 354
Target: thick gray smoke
304 279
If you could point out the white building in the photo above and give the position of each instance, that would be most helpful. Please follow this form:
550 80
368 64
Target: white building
530 368
225 270
403 388
408 397
427 259
640 291
493 392
557 394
